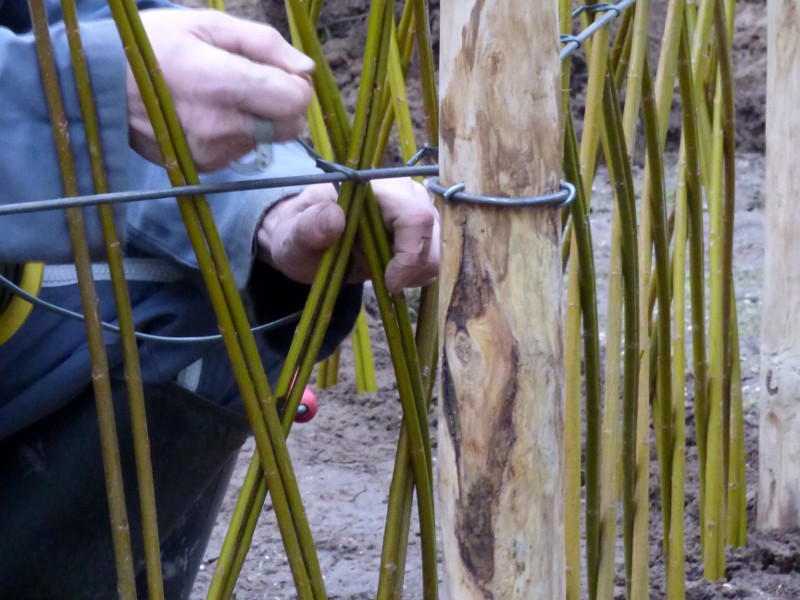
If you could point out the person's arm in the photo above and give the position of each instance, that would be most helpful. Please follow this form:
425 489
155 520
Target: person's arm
223 74
156 228
28 164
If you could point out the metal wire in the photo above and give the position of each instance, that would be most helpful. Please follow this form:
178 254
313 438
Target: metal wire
149 337
332 173
558 199
611 12
339 176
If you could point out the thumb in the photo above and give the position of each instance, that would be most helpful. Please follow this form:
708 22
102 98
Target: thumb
319 226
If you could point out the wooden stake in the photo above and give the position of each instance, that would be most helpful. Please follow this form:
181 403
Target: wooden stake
779 434
501 427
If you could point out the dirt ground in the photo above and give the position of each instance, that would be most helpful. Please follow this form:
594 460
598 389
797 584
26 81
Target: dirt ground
343 458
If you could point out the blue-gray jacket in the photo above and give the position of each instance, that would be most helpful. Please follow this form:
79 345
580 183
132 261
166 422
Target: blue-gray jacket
45 364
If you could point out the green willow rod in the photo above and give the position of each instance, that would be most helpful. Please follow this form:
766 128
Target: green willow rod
299 20
572 435
662 415
427 69
696 253
100 376
722 40
640 559
424 346
214 274
365 350
621 41
328 369
255 494
675 563
578 304
620 171
394 105
714 515
736 533
721 207
601 570
588 305
420 407
351 196
421 404
702 26
306 343
133 378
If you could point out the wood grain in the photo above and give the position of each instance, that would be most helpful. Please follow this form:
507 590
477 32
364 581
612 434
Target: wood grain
500 457
779 434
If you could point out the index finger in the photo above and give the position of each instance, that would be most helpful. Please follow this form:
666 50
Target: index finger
255 41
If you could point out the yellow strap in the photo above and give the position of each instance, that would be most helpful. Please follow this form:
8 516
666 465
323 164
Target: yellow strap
12 318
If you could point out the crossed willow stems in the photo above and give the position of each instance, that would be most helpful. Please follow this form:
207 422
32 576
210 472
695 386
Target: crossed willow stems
653 370
356 147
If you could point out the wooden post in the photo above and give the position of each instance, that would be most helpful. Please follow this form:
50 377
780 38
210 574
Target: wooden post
779 434
500 459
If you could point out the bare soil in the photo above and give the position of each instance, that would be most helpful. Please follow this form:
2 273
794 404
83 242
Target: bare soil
344 457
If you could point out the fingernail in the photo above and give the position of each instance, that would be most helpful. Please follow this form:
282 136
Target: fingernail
301 63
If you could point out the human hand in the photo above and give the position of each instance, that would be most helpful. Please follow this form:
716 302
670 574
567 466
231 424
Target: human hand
223 73
297 230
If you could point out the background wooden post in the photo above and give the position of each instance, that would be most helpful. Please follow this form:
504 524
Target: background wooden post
500 457
779 434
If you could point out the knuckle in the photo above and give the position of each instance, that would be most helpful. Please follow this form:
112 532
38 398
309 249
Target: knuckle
420 218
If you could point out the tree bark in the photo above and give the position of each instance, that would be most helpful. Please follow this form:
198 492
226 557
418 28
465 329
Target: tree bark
779 434
500 460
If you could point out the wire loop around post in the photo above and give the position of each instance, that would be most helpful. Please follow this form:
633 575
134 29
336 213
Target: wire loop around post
563 197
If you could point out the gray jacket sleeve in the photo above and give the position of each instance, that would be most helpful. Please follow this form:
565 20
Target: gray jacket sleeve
29 168
155 228
28 164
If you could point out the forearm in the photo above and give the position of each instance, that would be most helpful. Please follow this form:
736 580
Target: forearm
29 167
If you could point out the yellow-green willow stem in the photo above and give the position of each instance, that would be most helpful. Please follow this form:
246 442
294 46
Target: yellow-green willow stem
640 37
144 469
700 27
722 40
391 569
572 433
639 573
611 446
100 377
675 571
335 115
245 361
622 40
714 516
662 415
399 98
581 299
696 255
737 485
328 370
402 38
565 28
360 338
426 336
622 177
427 69
336 118
588 308
351 198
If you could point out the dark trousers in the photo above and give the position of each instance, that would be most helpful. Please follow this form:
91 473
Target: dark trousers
55 540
